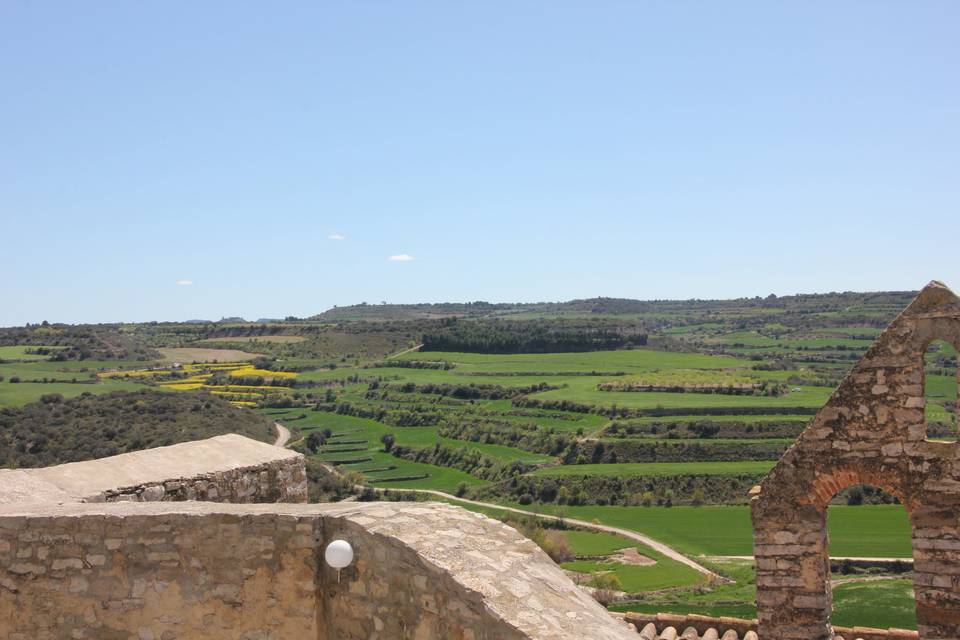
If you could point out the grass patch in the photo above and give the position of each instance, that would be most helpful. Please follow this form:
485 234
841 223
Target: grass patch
635 579
882 604
15 395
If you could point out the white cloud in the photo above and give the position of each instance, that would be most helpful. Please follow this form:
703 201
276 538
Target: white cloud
337 236
400 258
184 283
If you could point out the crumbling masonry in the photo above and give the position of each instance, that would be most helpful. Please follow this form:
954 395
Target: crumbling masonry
871 431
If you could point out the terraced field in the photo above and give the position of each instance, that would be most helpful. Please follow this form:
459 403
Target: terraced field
663 436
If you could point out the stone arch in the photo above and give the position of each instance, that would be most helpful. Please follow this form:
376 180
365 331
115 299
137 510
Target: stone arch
871 431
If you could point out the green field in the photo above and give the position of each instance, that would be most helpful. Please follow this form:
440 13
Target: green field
881 531
595 543
666 573
16 394
734 598
631 361
636 579
19 352
881 604
369 431
437 478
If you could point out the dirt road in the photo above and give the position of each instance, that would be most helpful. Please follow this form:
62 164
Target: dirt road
283 435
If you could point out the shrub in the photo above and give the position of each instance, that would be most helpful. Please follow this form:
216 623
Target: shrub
526 499
698 497
605 597
605 586
557 546
607 580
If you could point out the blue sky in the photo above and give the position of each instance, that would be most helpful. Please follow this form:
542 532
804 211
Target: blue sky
516 151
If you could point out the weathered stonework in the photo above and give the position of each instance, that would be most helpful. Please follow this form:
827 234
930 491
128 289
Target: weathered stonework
228 468
871 431
166 571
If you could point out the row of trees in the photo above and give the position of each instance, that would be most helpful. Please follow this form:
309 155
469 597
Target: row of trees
470 391
625 491
503 336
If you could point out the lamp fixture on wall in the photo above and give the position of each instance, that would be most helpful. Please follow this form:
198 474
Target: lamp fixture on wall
339 555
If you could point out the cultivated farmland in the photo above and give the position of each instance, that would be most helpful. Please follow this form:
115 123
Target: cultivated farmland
662 432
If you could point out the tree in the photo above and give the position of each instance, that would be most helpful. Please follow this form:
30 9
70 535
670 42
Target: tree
315 440
388 440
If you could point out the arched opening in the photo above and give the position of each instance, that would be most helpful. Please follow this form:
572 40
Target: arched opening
940 390
871 560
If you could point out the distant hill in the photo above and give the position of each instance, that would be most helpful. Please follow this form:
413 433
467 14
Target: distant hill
817 302
423 311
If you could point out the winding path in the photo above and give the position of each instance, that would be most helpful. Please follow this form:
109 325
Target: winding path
400 353
283 435
670 552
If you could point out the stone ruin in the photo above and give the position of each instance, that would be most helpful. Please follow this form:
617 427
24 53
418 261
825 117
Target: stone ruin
120 548
871 431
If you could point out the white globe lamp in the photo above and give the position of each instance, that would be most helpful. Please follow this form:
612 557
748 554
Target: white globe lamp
339 555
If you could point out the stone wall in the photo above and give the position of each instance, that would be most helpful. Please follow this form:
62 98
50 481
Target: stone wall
228 468
279 481
166 571
871 431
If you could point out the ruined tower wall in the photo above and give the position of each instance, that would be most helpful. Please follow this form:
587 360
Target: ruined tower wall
871 431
